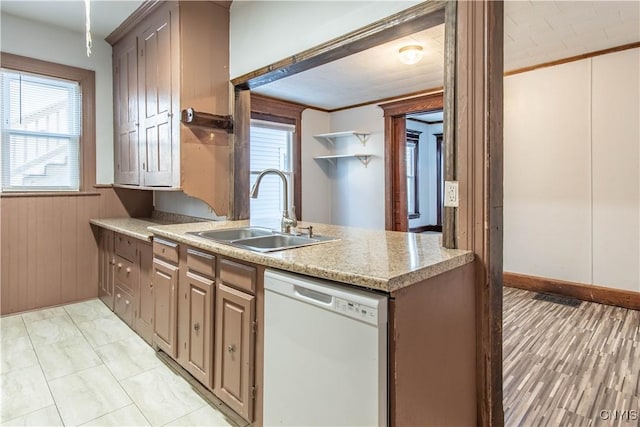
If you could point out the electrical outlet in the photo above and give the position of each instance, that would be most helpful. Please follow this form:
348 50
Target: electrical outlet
451 194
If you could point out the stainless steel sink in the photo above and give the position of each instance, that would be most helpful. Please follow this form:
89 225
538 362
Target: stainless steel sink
260 239
278 242
232 234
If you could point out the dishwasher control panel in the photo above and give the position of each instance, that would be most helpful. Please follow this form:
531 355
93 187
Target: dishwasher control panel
356 310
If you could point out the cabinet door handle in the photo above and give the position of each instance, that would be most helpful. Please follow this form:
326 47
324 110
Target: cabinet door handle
196 327
231 348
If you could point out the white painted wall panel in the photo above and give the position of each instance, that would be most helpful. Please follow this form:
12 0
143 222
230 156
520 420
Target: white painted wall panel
616 170
316 174
547 194
358 192
41 41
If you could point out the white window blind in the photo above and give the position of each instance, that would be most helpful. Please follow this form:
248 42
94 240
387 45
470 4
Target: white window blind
41 128
271 147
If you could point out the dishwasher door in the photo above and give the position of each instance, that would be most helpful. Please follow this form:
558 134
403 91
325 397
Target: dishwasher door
325 353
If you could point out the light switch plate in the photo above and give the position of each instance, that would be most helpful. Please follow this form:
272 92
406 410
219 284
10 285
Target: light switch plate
451 194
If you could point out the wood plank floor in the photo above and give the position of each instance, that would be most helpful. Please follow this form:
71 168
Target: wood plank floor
569 366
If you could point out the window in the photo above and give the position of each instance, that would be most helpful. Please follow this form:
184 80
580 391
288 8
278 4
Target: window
412 157
271 147
41 130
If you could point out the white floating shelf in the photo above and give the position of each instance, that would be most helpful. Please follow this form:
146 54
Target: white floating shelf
332 137
364 158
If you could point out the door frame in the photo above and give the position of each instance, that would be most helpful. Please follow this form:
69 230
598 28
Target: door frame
395 171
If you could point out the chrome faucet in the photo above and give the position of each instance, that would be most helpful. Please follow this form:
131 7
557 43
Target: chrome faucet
288 220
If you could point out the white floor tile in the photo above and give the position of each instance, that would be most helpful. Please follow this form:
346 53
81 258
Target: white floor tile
47 313
23 391
87 395
88 310
17 356
129 416
51 330
66 357
128 357
105 330
162 395
205 416
43 417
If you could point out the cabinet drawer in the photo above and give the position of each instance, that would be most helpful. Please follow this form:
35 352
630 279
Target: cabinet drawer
165 249
126 273
201 262
126 247
124 304
238 275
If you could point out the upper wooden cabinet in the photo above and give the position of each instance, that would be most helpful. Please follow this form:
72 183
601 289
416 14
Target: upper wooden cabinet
175 57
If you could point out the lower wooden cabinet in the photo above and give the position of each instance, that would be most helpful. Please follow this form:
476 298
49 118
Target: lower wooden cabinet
235 349
197 346
106 262
165 289
143 313
124 304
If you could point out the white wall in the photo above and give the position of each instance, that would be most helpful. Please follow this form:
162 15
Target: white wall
41 41
263 32
358 191
427 173
571 180
317 198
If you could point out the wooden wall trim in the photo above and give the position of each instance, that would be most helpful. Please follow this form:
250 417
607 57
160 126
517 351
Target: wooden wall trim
574 58
409 21
418 104
50 194
582 291
479 112
239 156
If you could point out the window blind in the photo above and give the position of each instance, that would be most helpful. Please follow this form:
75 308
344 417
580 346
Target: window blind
41 129
271 147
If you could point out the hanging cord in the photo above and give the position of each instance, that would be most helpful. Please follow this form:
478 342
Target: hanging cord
87 7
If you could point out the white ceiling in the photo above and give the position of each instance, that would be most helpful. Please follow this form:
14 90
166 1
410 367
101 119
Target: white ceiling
106 15
535 32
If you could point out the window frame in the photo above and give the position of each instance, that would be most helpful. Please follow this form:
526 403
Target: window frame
278 111
86 142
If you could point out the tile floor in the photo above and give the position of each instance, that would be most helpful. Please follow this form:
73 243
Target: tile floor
80 365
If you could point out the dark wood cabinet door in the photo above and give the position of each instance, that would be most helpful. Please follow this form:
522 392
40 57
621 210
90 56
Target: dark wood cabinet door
234 349
106 262
155 69
125 75
198 346
165 287
144 309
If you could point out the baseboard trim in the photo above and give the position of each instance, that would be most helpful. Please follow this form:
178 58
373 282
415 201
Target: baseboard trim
593 293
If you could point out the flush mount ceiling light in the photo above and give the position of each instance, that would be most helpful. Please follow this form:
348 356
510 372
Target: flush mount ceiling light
411 54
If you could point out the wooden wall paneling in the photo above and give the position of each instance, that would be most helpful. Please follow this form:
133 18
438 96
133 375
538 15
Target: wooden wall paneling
69 249
47 256
31 288
87 272
479 97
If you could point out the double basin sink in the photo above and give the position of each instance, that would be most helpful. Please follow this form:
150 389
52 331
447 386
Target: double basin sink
260 239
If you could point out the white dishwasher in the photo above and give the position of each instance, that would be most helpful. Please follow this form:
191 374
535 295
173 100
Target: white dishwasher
325 353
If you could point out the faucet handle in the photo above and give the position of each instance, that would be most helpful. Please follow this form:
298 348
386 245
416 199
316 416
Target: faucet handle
310 228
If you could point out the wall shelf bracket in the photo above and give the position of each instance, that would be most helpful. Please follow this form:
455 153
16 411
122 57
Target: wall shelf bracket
190 117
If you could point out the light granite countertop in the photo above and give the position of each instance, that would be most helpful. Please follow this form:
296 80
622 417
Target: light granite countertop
375 259
134 227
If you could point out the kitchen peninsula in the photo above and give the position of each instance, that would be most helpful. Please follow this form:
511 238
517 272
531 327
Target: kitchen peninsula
431 341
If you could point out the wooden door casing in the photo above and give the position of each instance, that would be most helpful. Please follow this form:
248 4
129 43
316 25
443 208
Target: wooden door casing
155 68
235 350
125 74
165 281
198 346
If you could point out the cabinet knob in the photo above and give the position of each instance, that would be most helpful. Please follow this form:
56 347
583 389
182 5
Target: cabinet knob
118 296
126 302
119 266
128 270
196 327
231 348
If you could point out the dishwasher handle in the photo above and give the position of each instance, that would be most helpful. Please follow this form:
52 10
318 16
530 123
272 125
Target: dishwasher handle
315 296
